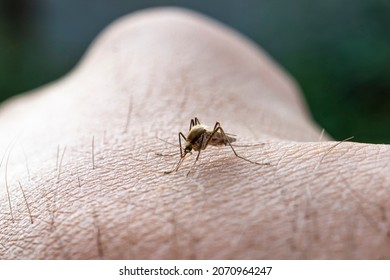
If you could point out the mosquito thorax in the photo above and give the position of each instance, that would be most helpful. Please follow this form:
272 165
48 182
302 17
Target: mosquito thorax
196 132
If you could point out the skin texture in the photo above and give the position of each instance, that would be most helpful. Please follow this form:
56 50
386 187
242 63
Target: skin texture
81 178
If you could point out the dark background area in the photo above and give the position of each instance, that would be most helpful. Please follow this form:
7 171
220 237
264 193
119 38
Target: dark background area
337 50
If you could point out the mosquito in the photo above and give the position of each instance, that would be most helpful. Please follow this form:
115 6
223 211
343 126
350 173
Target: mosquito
199 137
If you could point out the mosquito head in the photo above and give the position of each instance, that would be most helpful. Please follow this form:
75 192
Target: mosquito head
188 149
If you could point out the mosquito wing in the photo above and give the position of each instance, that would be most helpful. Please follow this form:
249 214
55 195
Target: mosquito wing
221 140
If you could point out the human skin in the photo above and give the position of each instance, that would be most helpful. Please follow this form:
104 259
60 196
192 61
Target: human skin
82 175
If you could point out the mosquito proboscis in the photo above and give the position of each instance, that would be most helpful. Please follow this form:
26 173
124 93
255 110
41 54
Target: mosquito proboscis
199 137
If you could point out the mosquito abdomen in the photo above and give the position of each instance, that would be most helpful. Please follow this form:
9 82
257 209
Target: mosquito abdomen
231 139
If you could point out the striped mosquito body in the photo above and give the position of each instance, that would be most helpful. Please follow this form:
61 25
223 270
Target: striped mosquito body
199 137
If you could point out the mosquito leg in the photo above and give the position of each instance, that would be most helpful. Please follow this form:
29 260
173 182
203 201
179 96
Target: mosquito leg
176 167
182 155
181 149
197 157
194 122
165 155
215 130
217 127
224 135
170 154
191 124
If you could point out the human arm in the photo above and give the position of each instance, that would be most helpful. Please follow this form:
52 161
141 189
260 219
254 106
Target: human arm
84 152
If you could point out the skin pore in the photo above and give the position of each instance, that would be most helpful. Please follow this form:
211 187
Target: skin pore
81 176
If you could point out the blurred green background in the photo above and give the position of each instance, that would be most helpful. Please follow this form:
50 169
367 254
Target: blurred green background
338 50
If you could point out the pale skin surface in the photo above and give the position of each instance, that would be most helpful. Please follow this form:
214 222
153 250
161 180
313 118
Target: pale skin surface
80 178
